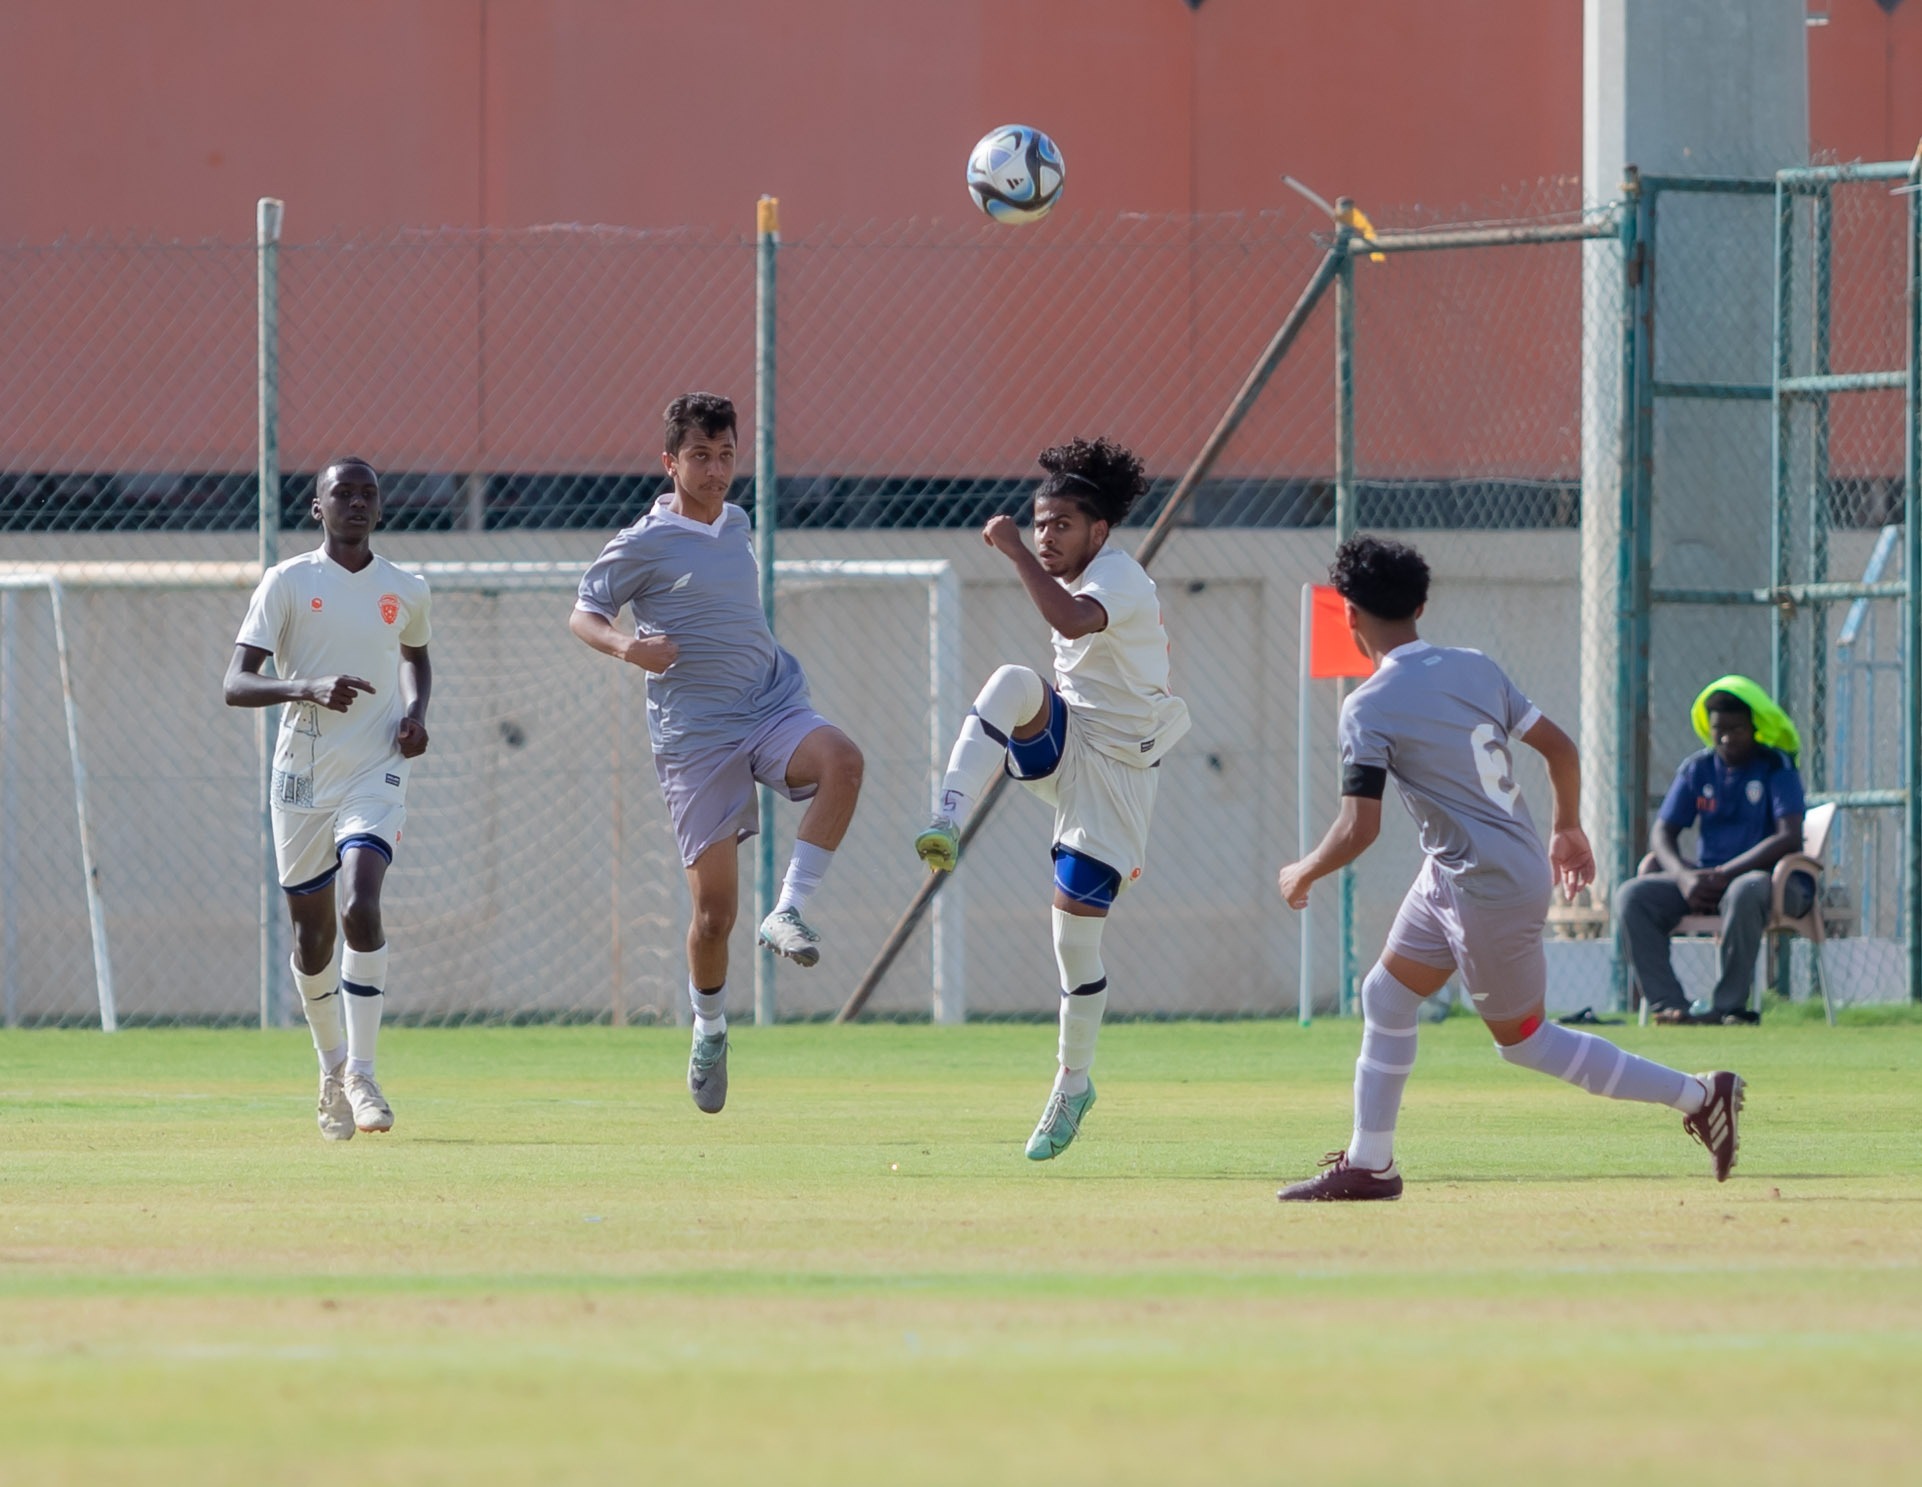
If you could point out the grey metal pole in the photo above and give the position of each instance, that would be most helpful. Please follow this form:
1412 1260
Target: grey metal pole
1781 505
1634 500
1912 574
267 223
767 224
1345 519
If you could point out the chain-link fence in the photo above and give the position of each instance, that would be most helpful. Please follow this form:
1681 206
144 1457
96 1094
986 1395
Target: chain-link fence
508 386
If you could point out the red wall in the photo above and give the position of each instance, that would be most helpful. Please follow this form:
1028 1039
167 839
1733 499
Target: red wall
168 120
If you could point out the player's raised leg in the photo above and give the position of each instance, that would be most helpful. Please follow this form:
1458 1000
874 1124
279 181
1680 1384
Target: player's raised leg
828 764
1084 892
311 910
1013 704
714 884
363 975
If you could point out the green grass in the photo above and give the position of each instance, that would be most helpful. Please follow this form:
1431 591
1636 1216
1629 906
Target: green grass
556 1270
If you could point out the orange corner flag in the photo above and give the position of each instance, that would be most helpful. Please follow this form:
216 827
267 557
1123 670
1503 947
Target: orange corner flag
1331 648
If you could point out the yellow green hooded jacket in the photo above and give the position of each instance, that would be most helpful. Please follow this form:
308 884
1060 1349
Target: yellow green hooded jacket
1773 729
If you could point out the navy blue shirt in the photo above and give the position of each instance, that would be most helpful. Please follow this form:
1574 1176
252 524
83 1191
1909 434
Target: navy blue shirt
1738 808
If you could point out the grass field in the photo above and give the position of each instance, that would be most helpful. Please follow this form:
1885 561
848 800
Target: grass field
556 1270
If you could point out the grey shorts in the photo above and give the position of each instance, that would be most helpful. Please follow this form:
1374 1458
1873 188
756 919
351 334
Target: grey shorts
1496 945
711 795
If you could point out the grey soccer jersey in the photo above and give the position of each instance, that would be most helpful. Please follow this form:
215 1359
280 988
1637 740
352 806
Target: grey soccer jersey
700 587
1441 722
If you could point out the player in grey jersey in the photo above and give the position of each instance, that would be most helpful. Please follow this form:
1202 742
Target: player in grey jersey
726 707
1441 722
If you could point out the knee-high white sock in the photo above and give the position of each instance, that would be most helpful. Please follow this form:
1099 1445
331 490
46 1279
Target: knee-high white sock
1012 696
320 1000
363 977
1084 995
804 873
1388 1042
1598 1066
710 1009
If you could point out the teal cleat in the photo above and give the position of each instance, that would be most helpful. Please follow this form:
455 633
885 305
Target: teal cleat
707 1073
940 845
1060 1124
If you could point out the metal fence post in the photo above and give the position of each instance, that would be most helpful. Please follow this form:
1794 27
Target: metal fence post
267 221
1345 519
767 226
1634 503
1912 577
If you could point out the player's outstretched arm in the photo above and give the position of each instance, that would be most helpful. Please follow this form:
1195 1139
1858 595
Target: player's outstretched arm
1353 833
416 686
1068 615
246 687
1569 855
649 652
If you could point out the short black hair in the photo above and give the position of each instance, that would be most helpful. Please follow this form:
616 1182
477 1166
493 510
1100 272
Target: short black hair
709 412
1098 475
1727 702
1386 579
350 462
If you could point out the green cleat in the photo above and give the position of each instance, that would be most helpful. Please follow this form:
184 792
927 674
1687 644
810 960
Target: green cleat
1060 1124
940 845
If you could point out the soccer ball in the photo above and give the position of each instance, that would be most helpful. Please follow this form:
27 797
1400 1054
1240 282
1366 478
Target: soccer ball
1015 174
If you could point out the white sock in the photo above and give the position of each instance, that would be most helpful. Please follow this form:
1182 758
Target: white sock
1388 1042
710 1009
363 977
1598 1066
1012 696
1084 995
320 1000
804 873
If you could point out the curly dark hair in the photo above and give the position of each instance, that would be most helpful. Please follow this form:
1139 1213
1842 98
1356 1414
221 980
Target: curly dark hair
1386 579
709 412
1727 702
1098 475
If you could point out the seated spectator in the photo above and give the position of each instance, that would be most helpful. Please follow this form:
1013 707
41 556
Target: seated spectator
1744 794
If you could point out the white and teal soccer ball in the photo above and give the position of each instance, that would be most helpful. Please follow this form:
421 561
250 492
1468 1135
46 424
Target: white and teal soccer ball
1015 174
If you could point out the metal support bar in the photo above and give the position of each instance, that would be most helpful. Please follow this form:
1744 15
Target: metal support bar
1427 240
89 862
1860 800
767 225
1781 503
1819 289
1912 572
1789 595
1711 185
1346 517
1824 383
268 217
1759 392
1634 507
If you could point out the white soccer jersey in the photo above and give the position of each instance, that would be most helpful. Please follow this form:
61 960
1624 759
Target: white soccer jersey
320 620
1117 678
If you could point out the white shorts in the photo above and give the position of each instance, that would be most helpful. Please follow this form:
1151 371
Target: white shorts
1102 807
1495 945
308 844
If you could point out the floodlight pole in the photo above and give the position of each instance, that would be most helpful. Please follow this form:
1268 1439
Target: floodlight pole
267 221
767 224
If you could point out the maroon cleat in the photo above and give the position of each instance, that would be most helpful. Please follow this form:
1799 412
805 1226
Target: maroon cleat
1714 1124
1337 1182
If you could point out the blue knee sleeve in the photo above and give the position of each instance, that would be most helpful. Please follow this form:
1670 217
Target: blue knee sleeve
1085 880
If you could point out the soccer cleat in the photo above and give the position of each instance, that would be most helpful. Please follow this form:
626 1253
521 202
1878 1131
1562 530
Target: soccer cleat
1714 1124
1060 1124
336 1115
940 845
371 1110
1338 1182
785 933
707 1073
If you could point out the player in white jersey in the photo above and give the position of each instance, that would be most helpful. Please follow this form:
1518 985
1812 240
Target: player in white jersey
348 633
1088 745
1441 723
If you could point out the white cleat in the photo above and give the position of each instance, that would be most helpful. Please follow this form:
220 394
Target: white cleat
785 933
336 1115
371 1110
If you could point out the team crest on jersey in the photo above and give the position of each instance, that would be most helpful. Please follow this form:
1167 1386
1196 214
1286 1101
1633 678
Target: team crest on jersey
390 607
314 603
